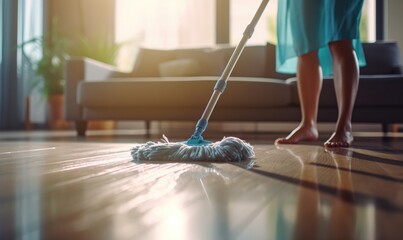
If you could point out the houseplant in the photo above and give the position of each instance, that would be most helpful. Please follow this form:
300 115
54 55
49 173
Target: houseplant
45 55
98 48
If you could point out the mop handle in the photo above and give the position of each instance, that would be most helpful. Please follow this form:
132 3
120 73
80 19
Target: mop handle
222 81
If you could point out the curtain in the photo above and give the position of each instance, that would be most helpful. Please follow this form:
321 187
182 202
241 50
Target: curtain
30 25
1 41
19 21
9 114
2 122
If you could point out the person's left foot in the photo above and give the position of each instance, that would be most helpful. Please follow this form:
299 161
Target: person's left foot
340 139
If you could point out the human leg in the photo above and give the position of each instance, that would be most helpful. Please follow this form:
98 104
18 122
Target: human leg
346 78
309 81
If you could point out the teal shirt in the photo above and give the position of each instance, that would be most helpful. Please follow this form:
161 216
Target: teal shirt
307 25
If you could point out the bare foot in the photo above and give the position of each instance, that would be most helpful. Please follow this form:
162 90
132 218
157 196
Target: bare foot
342 138
301 133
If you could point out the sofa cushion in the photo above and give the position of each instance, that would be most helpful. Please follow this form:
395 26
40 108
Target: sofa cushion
251 63
380 91
180 68
373 91
211 60
182 92
148 61
381 58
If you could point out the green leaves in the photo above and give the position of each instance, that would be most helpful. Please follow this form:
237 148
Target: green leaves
46 56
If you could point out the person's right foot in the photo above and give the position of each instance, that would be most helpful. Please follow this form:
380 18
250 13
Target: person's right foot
340 138
301 133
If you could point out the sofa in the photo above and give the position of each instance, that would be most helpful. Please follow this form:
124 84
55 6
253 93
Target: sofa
176 84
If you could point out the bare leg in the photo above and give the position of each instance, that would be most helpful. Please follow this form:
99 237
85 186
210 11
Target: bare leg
309 85
346 71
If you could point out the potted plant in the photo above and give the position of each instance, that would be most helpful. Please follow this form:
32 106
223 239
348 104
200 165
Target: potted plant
46 56
100 48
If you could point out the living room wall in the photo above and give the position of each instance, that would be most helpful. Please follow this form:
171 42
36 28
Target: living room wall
78 18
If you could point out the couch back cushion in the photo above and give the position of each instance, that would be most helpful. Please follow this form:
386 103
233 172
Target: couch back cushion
180 68
148 61
251 63
160 62
271 64
211 61
255 61
381 58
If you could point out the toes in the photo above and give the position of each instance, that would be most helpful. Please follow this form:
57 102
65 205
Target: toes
336 144
280 141
283 141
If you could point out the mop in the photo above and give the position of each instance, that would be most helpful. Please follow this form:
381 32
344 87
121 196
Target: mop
229 149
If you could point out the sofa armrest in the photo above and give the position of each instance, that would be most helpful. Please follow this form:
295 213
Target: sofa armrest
81 69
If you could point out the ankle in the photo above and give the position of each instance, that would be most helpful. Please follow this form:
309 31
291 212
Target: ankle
344 127
308 124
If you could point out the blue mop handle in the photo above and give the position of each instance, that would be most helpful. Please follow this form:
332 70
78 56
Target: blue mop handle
222 81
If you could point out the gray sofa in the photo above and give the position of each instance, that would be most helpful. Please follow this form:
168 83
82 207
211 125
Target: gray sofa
177 84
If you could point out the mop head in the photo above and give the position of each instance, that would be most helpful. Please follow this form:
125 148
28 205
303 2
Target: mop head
229 149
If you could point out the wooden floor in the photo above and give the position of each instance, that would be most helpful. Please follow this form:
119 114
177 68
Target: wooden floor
55 186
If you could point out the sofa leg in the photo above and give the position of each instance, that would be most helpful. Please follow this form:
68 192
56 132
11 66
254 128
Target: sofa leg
81 127
394 128
148 126
385 127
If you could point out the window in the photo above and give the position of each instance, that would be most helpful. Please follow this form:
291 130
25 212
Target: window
163 24
368 21
188 23
242 12
166 24
192 23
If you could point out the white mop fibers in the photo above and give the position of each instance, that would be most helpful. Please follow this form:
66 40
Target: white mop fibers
229 149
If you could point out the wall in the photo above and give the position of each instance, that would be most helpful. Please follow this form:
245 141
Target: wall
90 18
393 22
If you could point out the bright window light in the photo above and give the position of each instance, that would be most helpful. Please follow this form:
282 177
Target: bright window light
162 24
166 24
242 12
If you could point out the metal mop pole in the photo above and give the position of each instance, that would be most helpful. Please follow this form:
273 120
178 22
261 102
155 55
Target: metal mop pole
222 81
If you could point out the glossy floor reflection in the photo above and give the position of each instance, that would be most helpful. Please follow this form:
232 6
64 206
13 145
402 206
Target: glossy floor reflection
92 190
